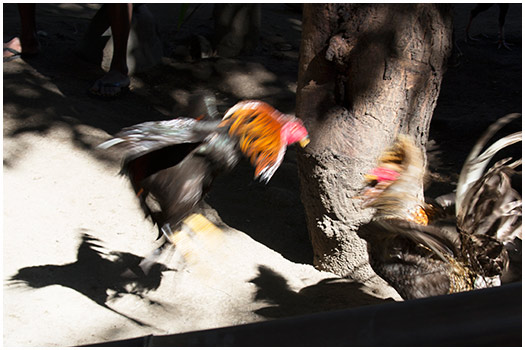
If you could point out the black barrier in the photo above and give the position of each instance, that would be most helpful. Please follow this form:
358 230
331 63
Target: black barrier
487 317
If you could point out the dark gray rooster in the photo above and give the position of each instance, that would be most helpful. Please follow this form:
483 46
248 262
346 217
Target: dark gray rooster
171 164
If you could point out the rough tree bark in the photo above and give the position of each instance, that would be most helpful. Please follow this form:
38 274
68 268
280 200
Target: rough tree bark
366 73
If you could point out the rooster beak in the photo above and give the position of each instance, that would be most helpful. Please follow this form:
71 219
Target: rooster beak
305 141
370 178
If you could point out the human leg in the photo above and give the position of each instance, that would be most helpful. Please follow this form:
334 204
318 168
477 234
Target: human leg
116 79
27 43
503 9
473 14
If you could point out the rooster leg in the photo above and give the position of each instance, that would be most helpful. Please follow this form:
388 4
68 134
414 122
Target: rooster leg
168 233
196 234
155 257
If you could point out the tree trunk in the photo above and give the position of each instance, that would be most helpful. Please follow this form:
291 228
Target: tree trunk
367 72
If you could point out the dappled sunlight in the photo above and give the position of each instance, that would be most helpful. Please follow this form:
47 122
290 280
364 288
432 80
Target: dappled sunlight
27 93
56 182
249 81
75 233
51 89
296 24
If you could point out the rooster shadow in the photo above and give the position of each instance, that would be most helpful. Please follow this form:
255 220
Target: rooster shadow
96 277
326 295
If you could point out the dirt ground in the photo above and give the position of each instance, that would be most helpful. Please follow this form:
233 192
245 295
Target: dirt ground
73 231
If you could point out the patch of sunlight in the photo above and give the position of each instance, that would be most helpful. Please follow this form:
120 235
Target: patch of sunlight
79 8
252 83
296 24
49 86
180 96
28 92
292 87
9 108
91 132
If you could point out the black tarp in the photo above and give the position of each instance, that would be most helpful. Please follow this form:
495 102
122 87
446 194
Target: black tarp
487 317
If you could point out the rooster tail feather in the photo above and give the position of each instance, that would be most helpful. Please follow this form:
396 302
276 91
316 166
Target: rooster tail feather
475 163
477 186
494 207
110 143
147 137
433 238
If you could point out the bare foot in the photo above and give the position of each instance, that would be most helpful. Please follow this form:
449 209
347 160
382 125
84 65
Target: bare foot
14 48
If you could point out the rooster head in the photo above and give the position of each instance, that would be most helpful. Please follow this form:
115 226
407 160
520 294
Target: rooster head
264 133
294 131
392 187
390 166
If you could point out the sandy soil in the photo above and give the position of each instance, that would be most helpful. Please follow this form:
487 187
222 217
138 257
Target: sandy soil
73 231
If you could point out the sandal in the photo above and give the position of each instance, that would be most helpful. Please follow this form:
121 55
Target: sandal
108 89
15 54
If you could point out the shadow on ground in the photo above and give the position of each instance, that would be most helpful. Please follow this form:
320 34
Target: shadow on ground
94 275
328 294
47 97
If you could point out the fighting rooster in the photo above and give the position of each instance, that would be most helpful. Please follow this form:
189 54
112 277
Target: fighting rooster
408 245
171 164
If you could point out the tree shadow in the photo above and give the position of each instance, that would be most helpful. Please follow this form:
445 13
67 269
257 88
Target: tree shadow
40 105
328 294
100 278
50 90
271 214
